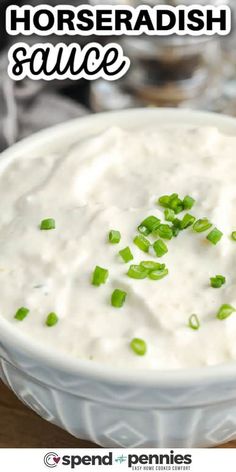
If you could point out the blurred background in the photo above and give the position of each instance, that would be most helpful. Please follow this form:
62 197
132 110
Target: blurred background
172 71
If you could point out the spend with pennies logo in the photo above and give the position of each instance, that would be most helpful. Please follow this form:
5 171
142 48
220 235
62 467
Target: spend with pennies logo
51 459
121 459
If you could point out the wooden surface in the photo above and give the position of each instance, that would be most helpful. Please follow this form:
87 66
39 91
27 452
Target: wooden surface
21 427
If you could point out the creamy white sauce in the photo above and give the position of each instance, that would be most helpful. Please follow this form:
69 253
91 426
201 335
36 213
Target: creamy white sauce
112 181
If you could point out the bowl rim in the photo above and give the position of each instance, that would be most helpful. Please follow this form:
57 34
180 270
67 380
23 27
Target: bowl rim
63 362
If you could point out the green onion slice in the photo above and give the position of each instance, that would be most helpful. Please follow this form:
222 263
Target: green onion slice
225 311
160 248
139 346
169 214
126 254
233 235
151 265
137 272
118 298
193 322
158 274
165 231
188 202
176 227
21 313
214 236
187 221
47 224
142 243
217 281
99 276
143 230
149 225
52 319
164 201
201 225
175 203
114 236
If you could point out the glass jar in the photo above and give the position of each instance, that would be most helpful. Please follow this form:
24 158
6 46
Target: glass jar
167 71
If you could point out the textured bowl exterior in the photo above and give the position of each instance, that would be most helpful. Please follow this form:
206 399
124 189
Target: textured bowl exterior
124 415
198 409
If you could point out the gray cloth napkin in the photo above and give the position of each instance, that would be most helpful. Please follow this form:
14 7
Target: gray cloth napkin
28 106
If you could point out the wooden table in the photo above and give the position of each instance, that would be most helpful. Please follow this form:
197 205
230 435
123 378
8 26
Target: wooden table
21 427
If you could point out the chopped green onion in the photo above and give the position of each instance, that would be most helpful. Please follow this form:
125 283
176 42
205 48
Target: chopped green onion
151 265
149 225
187 221
172 202
165 231
176 227
225 311
160 248
202 225
126 254
233 235
177 222
175 203
194 322
100 276
142 243
217 281
143 230
21 313
118 298
164 201
158 274
114 236
175 231
52 319
222 278
138 346
188 202
169 214
137 272
214 236
47 224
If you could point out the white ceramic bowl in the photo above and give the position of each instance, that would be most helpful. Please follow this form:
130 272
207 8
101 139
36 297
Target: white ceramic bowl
188 408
